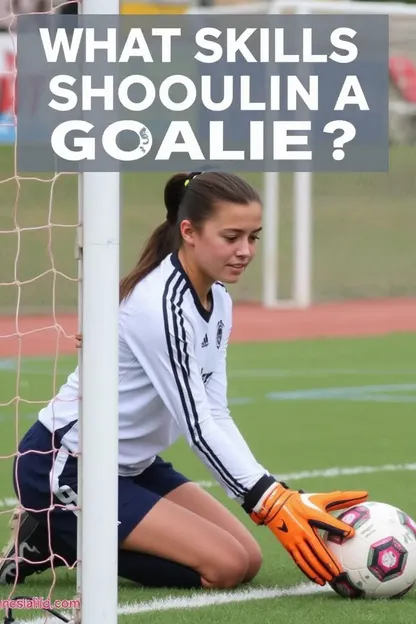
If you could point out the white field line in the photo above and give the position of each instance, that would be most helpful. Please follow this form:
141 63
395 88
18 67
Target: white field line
325 473
219 598
204 599
317 372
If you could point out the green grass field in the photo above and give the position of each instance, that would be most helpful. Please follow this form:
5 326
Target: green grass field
280 399
363 228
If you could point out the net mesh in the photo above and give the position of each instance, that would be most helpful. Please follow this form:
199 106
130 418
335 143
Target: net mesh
38 279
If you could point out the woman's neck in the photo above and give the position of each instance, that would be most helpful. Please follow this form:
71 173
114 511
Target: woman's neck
199 281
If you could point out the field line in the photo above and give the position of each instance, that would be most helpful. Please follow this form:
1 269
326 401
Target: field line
375 393
202 599
218 598
317 372
324 473
327 473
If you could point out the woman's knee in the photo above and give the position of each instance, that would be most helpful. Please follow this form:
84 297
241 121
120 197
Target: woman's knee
255 561
229 570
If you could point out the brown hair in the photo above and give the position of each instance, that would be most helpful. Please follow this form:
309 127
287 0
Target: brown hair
187 196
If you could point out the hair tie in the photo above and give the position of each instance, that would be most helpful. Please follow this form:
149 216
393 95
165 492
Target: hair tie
171 216
191 176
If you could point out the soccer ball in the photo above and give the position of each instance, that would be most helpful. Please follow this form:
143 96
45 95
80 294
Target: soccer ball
380 560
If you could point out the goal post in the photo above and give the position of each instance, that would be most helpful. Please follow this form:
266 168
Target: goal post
98 452
99 260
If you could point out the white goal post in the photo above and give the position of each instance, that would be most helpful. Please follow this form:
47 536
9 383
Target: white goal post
98 258
302 184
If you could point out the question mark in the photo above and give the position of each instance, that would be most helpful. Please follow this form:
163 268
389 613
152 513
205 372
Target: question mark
347 135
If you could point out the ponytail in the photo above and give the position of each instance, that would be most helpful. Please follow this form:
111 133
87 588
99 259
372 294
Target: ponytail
162 242
159 245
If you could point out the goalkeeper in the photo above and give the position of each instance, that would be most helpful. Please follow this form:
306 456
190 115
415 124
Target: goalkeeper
175 319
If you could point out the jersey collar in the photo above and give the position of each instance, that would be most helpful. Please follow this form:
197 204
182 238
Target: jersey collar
206 314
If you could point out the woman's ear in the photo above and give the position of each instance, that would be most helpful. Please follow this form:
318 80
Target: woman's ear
187 232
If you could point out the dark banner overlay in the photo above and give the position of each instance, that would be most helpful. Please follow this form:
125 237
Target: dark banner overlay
183 92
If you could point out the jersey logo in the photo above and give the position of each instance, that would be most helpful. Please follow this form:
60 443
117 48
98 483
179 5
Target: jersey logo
220 326
205 343
205 376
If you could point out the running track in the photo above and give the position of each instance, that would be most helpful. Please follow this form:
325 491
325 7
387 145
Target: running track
46 335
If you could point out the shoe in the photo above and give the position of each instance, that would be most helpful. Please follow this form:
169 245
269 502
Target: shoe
14 570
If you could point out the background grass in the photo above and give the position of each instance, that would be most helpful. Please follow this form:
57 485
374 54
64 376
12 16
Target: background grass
363 228
287 435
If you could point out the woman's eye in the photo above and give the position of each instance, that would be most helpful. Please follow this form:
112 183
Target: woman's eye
232 239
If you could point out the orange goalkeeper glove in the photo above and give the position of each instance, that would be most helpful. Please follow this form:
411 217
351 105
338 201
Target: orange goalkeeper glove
295 517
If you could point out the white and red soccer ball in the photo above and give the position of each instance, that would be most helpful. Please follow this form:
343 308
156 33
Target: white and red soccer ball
380 560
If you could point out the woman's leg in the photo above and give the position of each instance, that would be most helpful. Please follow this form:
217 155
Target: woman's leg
177 534
165 481
191 496
34 546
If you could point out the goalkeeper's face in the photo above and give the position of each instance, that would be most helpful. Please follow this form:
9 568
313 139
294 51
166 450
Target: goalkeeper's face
226 243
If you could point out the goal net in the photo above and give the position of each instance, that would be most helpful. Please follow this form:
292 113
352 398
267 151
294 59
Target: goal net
52 253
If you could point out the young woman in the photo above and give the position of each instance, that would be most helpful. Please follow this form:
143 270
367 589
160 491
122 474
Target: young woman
174 324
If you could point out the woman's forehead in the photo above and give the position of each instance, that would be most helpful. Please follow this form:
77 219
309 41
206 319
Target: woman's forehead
237 216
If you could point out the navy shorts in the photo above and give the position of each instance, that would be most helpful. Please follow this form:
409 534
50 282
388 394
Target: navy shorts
38 487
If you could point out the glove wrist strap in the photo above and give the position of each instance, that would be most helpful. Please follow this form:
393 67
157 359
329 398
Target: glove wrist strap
257 492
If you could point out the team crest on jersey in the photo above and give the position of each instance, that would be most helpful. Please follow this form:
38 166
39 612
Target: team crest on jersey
220 326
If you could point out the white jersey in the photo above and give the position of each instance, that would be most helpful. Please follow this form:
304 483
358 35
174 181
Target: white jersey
172 381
